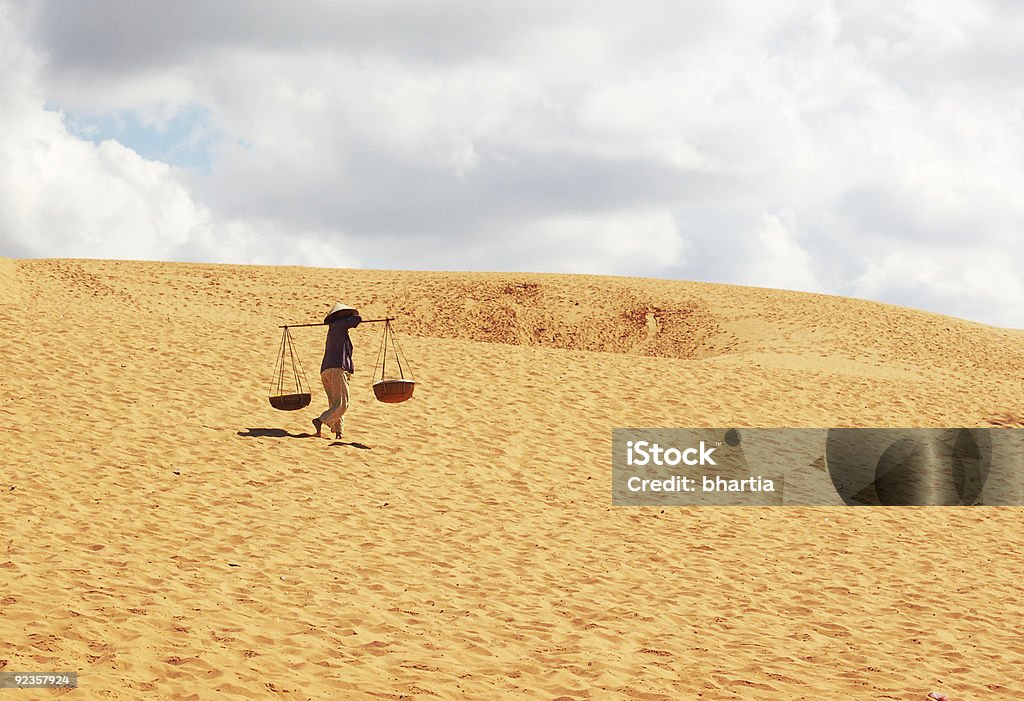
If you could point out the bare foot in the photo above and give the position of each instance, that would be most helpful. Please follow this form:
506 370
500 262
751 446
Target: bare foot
317 423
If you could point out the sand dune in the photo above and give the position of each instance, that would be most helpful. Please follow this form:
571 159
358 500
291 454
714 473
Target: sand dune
169 535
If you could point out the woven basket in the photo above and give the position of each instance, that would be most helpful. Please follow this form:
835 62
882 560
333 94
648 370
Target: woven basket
393 391
290 402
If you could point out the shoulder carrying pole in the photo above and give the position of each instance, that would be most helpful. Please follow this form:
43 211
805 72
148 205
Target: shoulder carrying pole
364 321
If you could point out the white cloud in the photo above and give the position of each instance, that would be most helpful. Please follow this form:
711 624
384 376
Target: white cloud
61 196
979 280
615 243
780 261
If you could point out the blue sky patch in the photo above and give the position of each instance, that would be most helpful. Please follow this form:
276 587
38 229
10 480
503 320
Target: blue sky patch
186 140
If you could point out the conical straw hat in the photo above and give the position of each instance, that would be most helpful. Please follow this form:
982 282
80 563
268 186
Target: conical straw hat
339 311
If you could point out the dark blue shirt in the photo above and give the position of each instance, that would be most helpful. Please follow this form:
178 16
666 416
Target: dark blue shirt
338 349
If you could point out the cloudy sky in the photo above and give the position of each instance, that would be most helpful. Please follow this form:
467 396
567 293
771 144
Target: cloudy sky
870 148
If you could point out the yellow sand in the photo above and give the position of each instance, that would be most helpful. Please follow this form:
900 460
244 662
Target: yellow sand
462 545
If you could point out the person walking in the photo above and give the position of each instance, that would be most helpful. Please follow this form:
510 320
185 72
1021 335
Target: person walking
337 367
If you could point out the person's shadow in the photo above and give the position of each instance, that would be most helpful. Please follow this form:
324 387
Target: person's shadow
272 433
281 433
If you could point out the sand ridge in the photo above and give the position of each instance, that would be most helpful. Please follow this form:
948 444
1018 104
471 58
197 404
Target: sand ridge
10 289
169 535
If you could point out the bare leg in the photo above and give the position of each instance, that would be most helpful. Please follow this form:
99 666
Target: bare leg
317 423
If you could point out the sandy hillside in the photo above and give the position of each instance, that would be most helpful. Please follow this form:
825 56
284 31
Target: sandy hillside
167 534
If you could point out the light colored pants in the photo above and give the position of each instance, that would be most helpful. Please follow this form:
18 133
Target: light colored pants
336 385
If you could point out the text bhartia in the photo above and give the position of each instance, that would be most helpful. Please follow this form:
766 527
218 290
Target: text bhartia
677 483
751 484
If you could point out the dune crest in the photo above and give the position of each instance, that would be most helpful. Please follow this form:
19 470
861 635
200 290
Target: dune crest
10 290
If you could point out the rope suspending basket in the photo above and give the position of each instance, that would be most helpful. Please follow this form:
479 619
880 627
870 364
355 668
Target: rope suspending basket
290 389
389 387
